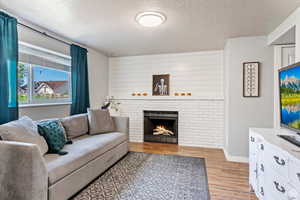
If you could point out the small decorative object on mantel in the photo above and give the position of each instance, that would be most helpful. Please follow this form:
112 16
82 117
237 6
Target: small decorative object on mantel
145 94
161 85
183 94
105 106
251 79
139 94
133 94
112 105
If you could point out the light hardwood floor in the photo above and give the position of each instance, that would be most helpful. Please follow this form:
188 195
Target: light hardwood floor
226 180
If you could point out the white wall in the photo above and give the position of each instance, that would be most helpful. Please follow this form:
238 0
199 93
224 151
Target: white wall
45 112
98 75
290 23
98 78
242 113
201 116
200 73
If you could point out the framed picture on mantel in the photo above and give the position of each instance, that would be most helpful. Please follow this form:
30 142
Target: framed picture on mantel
161 85
251 79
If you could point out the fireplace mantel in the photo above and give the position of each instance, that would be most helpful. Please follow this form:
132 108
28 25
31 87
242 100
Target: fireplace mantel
171 98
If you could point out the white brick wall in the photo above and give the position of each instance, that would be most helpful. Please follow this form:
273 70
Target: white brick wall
199 73
200 121
201 117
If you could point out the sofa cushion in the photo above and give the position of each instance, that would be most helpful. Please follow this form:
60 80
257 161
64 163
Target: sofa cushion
100 121
54 134
23 130
83 150
76 125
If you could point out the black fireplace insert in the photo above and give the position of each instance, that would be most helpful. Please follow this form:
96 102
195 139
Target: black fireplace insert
161 126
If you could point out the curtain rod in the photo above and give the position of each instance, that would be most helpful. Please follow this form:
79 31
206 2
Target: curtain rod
44 34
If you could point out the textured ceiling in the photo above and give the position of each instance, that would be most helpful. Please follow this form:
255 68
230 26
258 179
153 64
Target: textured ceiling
192 25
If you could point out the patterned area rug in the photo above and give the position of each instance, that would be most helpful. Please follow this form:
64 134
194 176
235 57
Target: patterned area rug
141 176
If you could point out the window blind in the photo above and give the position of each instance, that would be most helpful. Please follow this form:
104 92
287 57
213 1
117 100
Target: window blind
43 57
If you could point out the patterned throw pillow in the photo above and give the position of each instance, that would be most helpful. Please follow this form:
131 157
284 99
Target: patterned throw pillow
54 134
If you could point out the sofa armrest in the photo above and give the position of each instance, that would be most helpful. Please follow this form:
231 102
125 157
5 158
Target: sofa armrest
122 124
23 172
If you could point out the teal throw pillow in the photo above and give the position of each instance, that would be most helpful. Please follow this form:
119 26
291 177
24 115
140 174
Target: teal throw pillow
54 134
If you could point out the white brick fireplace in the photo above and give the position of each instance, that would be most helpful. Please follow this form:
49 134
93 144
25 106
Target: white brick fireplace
201 116
197 125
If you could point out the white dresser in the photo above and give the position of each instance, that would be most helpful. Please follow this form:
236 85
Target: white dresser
274 165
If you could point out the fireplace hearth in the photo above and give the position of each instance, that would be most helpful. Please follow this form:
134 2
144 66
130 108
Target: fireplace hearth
161 126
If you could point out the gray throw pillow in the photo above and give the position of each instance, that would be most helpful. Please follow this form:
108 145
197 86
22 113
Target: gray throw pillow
100 121
76 125
23 130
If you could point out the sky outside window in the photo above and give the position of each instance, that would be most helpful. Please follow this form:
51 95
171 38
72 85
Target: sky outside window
46 74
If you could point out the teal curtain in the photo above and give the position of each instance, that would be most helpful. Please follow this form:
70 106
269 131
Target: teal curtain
80 82
8 68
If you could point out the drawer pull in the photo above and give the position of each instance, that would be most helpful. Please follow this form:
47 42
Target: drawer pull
262 147
279 161
298 174
252 139
262 191
279 188
262 168
256 174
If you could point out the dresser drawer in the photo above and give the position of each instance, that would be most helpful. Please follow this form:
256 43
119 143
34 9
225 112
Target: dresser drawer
253 173
261 192
276 186
294 173
276 159
260 168
252 145
293 194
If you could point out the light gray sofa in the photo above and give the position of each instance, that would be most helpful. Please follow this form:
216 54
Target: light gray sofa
27 175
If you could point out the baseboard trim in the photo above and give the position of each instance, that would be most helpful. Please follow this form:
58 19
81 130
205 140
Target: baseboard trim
231 158
184 144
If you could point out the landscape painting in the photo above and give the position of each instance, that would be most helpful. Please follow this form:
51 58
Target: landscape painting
290 97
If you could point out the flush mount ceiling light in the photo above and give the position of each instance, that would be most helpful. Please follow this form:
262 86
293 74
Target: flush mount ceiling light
150 19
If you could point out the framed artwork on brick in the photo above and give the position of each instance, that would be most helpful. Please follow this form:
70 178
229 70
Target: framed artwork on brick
161 85
251 79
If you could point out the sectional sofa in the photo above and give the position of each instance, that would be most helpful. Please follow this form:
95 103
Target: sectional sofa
26 174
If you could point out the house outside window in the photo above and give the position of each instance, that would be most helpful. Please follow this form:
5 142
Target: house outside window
44 77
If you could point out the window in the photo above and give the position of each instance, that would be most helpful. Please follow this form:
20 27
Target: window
43 76
23 80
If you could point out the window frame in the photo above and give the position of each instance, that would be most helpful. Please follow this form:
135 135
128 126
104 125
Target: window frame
30 91
27 92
